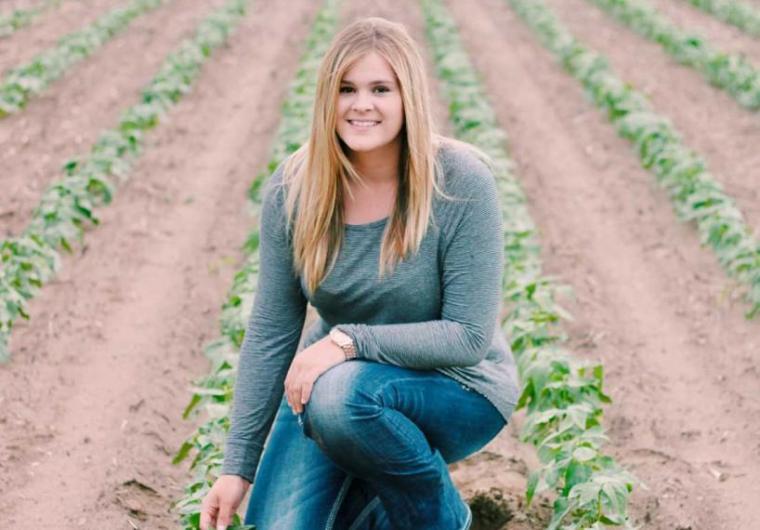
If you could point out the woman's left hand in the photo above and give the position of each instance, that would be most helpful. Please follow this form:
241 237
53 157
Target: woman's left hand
306 367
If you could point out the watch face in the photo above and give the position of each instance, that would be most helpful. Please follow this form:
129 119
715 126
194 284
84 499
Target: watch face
339 336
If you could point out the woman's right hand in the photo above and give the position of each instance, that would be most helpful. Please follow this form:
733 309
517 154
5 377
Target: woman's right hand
222 501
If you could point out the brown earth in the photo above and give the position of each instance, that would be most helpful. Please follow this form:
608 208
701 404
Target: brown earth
710 120
11 5
71 15
66 120
90 406
652 305
721 35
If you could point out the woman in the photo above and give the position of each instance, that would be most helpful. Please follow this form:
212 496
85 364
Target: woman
394 234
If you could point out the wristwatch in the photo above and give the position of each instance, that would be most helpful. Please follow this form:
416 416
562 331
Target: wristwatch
345 342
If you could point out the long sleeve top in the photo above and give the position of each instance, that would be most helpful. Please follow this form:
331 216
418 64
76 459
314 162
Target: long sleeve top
438 310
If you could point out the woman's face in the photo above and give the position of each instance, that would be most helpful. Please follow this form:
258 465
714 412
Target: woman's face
370 111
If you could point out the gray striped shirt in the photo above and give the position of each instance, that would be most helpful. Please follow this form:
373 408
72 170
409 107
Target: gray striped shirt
438 310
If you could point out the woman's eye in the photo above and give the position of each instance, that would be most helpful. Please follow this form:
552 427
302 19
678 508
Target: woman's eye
380 89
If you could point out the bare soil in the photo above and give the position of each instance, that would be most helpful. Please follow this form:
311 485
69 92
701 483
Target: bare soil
44 31
710 120
680 360
90 406
721 35
66 120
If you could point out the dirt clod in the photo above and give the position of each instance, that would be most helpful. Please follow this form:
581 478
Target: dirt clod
490 510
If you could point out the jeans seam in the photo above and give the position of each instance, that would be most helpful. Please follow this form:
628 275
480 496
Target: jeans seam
365 512
468 521
338 501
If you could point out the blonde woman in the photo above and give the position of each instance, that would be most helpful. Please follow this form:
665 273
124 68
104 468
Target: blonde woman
394 234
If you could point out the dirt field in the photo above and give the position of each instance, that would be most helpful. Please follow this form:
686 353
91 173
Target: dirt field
91 403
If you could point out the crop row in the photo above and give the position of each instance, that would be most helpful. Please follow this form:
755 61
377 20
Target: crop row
67 206
563 395
19 18
695 194
32 78
743 16
730 72
214 392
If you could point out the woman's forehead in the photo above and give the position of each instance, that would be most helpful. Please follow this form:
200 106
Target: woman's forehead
371 68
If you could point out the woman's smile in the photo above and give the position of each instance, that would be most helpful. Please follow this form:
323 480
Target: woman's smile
363 124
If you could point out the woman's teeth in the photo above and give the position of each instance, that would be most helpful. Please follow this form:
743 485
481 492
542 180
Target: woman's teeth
363 123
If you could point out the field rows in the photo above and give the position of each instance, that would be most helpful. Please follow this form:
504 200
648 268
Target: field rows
213 393
652 305
67 207
176 231
11 20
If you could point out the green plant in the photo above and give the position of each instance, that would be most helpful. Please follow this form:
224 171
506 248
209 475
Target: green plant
743 16
730 72
32 78
68 206
563 396
214 392
695 194
19 18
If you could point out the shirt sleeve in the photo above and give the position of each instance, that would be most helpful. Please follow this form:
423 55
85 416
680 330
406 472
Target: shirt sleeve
471 279
271 339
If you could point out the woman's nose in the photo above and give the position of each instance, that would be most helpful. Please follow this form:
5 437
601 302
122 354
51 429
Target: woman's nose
362 101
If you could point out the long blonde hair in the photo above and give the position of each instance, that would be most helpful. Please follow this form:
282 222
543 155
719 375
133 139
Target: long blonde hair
316 176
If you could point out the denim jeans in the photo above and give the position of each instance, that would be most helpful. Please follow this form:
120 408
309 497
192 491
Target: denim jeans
370 452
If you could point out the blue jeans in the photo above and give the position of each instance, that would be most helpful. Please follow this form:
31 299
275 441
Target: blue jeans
370 452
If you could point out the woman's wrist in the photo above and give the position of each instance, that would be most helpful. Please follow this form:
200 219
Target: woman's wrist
336 349
234 476
343 341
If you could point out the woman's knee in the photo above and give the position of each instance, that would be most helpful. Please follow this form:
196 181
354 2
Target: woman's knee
335 394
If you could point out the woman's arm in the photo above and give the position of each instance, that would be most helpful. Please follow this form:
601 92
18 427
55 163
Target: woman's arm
271 339
473 264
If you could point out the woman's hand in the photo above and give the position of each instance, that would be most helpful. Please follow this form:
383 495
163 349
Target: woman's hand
306 367
222 501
